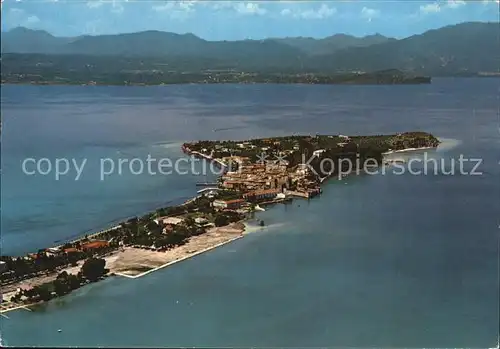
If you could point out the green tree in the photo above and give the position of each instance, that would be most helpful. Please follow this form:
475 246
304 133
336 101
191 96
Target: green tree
93 268
43 292
73 282
63 275
61 287
189 221
221 220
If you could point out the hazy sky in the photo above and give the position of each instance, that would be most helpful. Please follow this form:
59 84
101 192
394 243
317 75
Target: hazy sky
219 20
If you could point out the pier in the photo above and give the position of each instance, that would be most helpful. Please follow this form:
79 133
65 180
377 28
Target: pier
207 189
90 236
275 201
208 158
300 194
206 184
14 306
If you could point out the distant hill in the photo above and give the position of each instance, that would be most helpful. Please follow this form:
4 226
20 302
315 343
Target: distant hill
457 49
462 49
156 43
23 40
147 44
333 43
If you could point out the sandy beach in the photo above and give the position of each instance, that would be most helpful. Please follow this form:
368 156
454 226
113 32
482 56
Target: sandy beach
136 262
9 290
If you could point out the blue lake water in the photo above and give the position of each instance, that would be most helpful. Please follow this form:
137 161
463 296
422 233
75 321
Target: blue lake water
384 260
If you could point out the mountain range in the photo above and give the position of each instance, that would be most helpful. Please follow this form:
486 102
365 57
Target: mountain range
156 44
466 48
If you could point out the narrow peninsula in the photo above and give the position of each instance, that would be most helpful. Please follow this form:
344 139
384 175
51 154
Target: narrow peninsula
254 173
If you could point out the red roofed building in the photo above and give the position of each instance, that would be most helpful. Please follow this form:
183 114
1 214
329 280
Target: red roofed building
261 194
233 184
168 228
230 204
70 250
95 245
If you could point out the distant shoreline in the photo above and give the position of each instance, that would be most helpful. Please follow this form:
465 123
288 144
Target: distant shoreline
215 83
15 83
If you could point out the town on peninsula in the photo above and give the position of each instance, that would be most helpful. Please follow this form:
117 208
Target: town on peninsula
254 173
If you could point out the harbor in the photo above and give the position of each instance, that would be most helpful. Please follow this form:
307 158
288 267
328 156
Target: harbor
206 184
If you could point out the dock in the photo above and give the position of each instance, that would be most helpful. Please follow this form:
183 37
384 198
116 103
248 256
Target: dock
89 236
300 194
208 158
206 184
13 306
207 189
276 201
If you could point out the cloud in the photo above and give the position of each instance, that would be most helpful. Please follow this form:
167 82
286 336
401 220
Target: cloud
240 7
16 11
324 11
32 20
94 4
430 8
187 5
165 7
455 3
436 7
250 8
369 13
183 6
218 5
16 17
117 8
490 2
179 10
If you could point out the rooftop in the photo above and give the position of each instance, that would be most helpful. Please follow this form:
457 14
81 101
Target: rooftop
170 220
95 244
263 192
231 201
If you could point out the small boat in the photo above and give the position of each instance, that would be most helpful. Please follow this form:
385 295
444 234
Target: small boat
59 330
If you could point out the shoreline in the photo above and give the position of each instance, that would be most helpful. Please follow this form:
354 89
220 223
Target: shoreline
195 154
407 150
132 262
410 81
126 262
194 254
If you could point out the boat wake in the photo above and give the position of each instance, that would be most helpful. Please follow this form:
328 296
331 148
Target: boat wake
3 343
227 128
168 145
250 228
